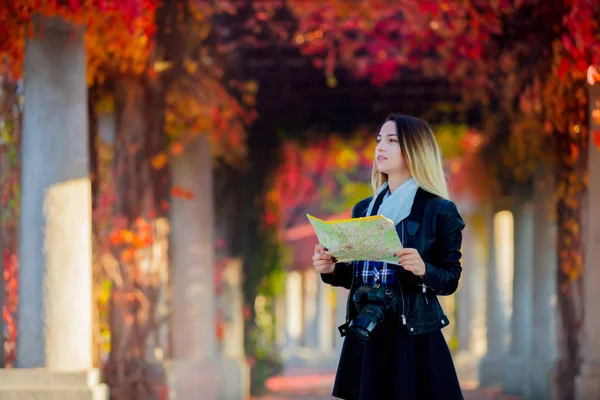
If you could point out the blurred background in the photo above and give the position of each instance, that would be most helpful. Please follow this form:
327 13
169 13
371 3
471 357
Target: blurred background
158 159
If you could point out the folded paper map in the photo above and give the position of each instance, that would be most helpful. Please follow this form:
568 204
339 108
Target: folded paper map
367 238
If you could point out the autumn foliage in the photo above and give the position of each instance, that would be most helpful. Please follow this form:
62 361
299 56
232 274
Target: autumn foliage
309 175
125 46
10 139
523 61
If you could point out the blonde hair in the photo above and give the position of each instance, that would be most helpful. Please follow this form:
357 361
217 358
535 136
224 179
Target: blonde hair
422 154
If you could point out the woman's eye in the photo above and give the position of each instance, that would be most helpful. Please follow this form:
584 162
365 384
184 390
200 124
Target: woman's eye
394 140
378 140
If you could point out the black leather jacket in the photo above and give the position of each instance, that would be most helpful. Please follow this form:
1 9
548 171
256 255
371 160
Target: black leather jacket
434 227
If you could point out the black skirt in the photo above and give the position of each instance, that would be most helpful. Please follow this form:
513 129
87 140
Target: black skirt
394 365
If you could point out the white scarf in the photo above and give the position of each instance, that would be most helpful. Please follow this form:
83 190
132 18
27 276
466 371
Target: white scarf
396 206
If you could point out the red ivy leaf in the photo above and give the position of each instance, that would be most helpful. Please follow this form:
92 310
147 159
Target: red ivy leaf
563 67
178 191
581 65
596 138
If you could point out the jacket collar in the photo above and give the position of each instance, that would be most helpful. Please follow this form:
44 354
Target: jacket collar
413 221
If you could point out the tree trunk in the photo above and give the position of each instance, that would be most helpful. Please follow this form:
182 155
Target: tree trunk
572 166
92 142
136 276
10 164
131 164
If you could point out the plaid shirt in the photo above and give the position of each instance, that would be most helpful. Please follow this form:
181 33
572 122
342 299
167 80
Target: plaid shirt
372 272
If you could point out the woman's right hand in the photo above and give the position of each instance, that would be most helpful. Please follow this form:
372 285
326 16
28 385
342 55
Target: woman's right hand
324 263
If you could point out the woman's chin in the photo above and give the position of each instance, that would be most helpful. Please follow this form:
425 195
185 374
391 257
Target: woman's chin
382 169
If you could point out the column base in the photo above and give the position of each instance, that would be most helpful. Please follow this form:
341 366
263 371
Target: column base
491 370
236 379
45 384
539 377
587 384
227 379
515 376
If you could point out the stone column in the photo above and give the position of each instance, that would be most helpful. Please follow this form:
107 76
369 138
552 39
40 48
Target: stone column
341 296
54 350
280 321
491 368
448 304
293 310
2 289
471 304
588 381
325 316
194 367
309 294
236 369
543 345
520 349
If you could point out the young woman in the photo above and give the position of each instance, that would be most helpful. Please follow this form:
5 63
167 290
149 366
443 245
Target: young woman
393 346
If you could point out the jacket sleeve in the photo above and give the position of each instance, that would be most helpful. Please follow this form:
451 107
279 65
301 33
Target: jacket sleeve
343 272
443 277
341 275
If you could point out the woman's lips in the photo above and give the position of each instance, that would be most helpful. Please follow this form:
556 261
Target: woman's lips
381 158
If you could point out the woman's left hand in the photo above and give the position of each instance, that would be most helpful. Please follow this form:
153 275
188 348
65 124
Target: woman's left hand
411 260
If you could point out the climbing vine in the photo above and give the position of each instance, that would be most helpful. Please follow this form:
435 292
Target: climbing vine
10 160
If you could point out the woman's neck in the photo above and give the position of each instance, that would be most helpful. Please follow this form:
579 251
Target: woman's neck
396 180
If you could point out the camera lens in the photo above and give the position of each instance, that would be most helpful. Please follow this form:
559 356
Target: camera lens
362 334
362 327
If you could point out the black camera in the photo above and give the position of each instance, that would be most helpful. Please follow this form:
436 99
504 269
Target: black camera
372 303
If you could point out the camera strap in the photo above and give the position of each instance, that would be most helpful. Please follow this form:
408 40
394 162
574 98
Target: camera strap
378 202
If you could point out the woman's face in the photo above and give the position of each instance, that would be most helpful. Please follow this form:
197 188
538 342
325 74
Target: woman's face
388 155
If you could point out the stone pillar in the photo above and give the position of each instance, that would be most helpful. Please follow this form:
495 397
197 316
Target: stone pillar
280 321
448 304
520 349
234 360
293 310
54 350
341 296
543 345
107 126
309 294
491 368
194 367
470 319
588 381
325 318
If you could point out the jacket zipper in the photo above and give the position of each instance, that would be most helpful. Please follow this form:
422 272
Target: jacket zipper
424 291
403 316
350 293
402 298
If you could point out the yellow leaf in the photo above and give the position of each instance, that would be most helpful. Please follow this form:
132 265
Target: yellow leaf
159 161
176 148
127 236
252 86
160 66
190 65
